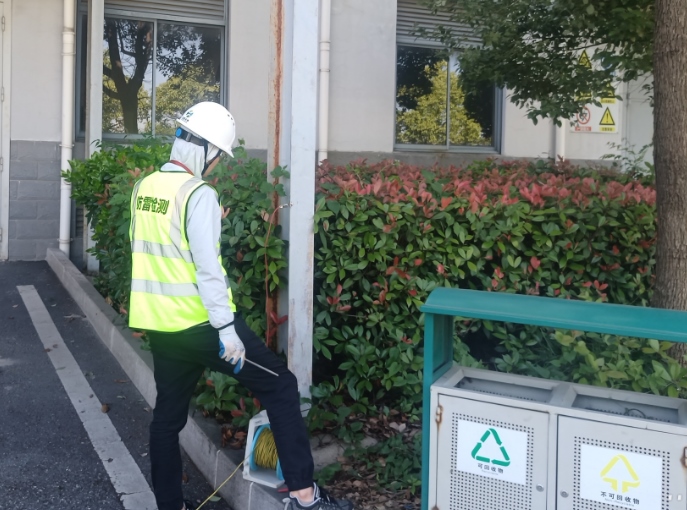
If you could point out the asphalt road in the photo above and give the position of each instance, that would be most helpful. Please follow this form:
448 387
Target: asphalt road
47 460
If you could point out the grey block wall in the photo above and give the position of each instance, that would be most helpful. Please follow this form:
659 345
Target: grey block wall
34 199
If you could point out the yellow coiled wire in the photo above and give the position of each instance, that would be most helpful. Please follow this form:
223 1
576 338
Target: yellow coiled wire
265 452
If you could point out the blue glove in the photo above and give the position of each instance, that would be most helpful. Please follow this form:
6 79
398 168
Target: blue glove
231 348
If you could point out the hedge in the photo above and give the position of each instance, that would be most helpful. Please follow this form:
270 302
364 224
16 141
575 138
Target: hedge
388 234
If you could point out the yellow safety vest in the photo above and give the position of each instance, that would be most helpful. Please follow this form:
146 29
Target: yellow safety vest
164 289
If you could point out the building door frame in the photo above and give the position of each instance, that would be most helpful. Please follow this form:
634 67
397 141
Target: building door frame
6 41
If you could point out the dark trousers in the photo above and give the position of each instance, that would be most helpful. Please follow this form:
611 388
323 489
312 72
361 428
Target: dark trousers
180 359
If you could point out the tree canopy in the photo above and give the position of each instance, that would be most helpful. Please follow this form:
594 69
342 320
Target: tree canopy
532 48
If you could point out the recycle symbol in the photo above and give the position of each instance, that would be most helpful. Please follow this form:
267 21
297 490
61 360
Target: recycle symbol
495 435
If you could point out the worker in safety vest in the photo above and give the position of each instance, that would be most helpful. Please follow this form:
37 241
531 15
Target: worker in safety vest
181 296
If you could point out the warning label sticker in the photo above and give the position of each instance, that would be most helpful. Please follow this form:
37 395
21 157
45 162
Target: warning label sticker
584 60
619 478
596 119
495 452
607 122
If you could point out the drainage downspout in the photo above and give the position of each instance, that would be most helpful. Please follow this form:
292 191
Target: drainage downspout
323 114
68 63
559 145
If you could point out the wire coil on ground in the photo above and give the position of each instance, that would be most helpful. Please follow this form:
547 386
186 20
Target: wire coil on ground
265 450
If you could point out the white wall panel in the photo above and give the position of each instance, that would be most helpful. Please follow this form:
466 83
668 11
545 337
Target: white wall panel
363 75
36 70
249 53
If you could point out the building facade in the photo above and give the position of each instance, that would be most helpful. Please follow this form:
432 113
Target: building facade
137 64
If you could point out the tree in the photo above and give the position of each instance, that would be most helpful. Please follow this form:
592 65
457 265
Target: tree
532 48
421 116
670 156
132 39
173 98
113 113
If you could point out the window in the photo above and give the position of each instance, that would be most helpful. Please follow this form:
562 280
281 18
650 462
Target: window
437 105
153 70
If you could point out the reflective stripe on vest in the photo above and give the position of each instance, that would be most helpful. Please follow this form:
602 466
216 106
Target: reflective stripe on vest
164 290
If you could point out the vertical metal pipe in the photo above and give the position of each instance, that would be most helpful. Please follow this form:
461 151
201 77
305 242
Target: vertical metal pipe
279 128
94 102
67 144
559 134
303 158
325 51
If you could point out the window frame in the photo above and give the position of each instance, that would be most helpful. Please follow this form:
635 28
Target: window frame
148 17
494 148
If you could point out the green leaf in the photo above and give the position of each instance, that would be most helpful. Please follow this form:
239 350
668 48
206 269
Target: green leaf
661 371
333 206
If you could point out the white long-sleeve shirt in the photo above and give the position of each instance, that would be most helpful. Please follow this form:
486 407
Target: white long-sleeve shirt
204 229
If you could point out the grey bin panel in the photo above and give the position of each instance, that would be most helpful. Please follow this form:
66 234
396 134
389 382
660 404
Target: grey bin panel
458 489
625 408
666 483
504 389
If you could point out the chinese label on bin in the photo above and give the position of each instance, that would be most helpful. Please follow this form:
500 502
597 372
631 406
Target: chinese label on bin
624 479
494 452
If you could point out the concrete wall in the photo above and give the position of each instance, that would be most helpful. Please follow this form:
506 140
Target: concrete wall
249 60
639 126
363 92
34 199
36 69
362 81
363 75
35 127
521 138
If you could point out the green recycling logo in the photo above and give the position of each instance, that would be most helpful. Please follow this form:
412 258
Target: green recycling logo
505 461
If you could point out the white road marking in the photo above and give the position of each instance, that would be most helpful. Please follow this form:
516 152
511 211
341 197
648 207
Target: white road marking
126 477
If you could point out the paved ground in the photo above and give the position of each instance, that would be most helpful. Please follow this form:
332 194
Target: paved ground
47 460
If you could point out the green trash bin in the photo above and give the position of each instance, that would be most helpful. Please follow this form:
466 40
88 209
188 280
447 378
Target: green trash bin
652 459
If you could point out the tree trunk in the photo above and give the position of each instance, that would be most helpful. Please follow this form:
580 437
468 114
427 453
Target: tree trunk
129 103
670 157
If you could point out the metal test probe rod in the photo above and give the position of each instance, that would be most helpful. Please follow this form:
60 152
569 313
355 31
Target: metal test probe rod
262 368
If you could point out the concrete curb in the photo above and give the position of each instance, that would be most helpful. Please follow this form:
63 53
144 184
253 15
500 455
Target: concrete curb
197 439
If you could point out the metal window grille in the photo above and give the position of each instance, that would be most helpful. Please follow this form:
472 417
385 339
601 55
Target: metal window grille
412 16
206 11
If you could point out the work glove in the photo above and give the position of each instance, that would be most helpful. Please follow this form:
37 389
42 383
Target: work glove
231 348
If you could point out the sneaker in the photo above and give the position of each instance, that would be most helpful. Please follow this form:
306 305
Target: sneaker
188 505
323 501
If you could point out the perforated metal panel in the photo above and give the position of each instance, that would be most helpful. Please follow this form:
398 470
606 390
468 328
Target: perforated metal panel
574 433
411 16
474 491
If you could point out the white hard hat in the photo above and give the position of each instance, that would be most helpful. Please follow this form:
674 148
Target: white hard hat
211 122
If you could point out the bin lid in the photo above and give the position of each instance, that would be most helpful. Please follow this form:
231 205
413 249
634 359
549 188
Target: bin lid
624 320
